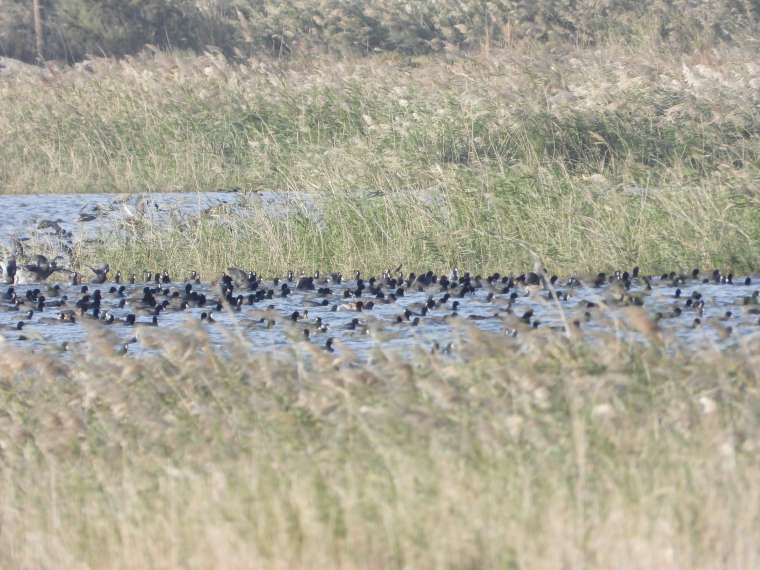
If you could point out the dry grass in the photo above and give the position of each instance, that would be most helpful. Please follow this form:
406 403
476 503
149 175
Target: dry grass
594 158
517 453
537 454
167 122
281 28
575 229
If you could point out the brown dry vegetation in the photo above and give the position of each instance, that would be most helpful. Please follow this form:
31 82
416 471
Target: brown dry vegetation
536 453
72 29
168 122
595 158
516 453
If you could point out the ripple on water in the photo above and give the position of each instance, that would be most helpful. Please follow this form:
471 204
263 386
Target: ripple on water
84 216
486 308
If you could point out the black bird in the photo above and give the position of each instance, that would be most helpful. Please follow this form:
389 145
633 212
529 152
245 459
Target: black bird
305 284
101 273
39 269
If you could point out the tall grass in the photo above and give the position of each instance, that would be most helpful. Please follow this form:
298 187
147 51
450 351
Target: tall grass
608 157
490 228
280 28
534 454
168 122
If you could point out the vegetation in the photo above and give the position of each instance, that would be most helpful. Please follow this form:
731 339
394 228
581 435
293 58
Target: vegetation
625 158
73 29
433 134
168 122
574 230
535 454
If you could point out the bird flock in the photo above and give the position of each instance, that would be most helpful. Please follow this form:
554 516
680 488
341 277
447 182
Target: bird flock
396 306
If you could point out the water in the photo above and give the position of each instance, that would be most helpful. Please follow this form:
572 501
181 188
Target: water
267 324
73 217
81 217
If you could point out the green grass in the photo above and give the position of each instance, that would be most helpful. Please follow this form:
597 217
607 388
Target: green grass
198 123
491 228
601 158
536 453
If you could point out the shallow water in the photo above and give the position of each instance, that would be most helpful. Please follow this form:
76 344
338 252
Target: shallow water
84 216
378 327
71 218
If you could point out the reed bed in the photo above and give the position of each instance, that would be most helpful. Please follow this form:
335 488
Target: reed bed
573 229
528 452
612 115
533 452
594 158
72 29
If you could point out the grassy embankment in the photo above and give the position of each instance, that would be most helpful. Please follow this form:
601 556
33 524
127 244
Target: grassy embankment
594 158
551 455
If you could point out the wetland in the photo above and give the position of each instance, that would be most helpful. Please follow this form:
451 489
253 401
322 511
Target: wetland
490 309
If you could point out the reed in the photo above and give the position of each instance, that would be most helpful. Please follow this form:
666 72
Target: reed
605 157
519 453
492 228
281 28
613 116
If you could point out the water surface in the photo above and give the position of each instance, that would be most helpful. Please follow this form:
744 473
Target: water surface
729 312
